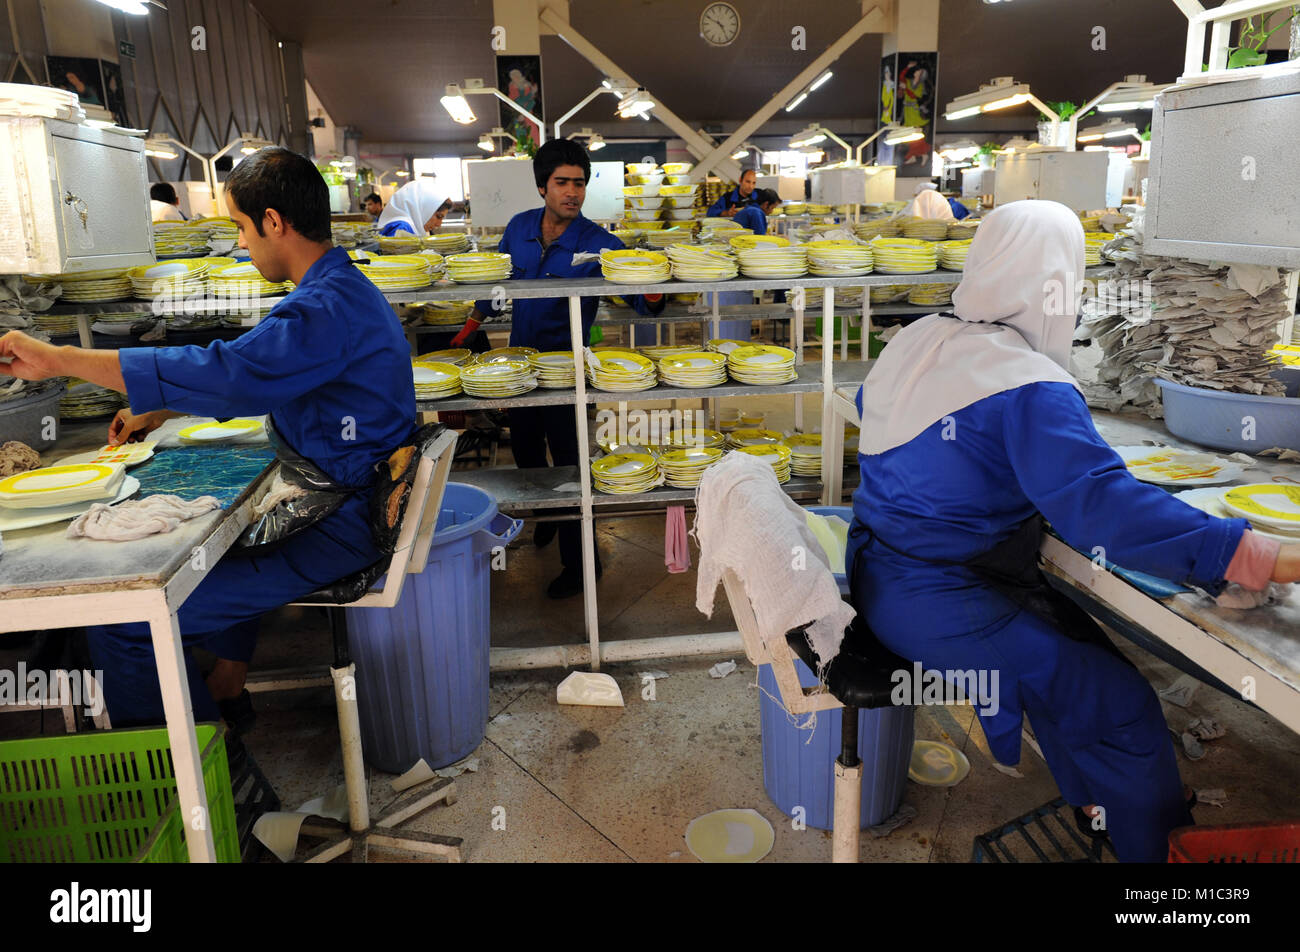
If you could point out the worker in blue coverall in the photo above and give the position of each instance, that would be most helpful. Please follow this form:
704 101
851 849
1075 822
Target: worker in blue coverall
729 203
542 243
331 366
971 427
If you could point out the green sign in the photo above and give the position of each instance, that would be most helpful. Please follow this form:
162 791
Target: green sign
126 49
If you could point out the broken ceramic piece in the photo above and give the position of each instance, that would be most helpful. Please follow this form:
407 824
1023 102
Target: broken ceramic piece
589 688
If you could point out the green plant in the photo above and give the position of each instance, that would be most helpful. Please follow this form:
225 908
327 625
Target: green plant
987 148
1253 37
1146 134
1065 109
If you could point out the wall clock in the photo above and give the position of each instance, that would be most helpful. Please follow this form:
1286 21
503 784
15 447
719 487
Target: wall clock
719 24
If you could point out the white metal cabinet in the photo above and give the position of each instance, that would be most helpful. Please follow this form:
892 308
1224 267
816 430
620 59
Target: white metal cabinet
1075 179
72 198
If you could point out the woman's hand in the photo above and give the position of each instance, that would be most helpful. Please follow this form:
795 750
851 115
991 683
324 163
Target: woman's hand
1287 566
128 427
32 359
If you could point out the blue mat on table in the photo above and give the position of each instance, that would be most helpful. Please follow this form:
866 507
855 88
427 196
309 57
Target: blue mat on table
193 471
1151 585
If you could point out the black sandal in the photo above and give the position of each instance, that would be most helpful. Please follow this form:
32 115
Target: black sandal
238 714
1084 823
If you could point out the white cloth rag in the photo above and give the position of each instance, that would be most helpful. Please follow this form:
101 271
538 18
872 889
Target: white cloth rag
677 550
746 523
137 518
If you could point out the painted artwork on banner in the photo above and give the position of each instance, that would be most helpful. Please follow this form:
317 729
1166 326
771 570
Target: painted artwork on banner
77 74
520 78
908 83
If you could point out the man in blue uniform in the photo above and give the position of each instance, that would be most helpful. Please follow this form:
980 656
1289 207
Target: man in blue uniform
754 215
331 367
542 243
736 199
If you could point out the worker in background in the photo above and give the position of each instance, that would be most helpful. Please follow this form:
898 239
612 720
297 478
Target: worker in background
542 243
331 367
733 201
754 215
416 208
373 205
929 204
164 203
973 432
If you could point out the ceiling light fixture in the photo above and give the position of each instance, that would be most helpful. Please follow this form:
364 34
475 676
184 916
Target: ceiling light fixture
457 105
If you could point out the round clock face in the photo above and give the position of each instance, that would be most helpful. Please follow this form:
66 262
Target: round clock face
719 24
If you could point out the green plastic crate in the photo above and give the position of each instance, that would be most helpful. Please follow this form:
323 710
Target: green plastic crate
107 797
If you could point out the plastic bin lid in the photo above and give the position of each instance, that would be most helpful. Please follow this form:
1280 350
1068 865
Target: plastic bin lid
465 509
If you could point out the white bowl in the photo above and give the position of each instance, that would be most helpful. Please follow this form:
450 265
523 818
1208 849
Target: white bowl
679 201
678 179
680 214
654 178
642 214
645 202
677 168
639 168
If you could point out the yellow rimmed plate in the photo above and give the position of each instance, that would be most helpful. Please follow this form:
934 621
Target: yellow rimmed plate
221 432
1270 504
60 485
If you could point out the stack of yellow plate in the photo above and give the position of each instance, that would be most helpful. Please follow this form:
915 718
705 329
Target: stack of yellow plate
628 236
658 352
184 278
835 258
925 229
805 453
750 436
888 293
747 242
762 364
620 370
83 400
771 261
905 255
447 243
397 272
54 486
554 369
695 263
952 254
500 354
960 231
625 473
667 237
506 378
484 267
446 313
435 379
813 208
878 227
626 266
1272 507
436 263
456 356
776 455
684 468
243 280
793 208
641 226
1090 222
720 224
108 284
696 369
175 239
487 242
343 234
402 243
724 346
1092 244
56 325
690 436
930 295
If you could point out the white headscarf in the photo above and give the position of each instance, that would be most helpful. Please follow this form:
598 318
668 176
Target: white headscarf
414 203
930 204
924 186
1015 308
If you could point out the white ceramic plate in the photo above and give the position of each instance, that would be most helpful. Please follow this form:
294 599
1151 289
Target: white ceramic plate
11 520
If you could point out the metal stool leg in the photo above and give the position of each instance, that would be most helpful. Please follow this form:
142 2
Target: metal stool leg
345 700
848 792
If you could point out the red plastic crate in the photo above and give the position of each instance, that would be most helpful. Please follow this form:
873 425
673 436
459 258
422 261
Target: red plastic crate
1236 843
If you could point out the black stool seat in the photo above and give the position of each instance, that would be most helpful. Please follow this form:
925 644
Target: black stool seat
350 587
862 674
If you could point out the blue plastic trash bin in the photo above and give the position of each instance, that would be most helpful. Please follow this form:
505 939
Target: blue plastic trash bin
801 773
422 666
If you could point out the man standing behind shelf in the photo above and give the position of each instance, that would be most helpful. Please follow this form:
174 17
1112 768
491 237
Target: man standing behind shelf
733 201
542 243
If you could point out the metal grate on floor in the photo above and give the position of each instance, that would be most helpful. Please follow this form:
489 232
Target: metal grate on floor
1046 834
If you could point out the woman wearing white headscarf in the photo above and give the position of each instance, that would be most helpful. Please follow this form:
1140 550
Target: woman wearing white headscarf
417 207
930 204
971 428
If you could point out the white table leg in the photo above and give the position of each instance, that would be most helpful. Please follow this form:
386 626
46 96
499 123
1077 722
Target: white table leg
169 655
832 477
797 331
584 478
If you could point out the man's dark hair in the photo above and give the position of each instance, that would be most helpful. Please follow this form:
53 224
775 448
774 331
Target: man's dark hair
766 196
278 178
744 171
163 192
372 197
557 152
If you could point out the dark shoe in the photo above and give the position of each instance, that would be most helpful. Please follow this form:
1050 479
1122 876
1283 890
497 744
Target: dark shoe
568 583
238 714
544 532
1084 823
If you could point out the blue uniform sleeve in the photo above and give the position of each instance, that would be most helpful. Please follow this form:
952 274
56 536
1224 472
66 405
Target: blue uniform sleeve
959 211
288 354
1084 490
394 227
718 207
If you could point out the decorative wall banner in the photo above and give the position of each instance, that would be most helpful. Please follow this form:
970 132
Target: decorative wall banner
908 84
77 74
520 78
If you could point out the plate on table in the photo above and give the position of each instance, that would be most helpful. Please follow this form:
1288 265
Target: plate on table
1273 505
221 432
60 485
128 454
1211 501
1166 466
13 519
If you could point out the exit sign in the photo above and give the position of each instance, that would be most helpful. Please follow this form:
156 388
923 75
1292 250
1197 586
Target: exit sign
126 49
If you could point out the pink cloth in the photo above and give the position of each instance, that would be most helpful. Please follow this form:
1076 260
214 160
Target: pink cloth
677 551
1252 564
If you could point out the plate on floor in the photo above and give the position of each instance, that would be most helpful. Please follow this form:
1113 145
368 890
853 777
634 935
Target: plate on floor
937 765
730 836
13 519
1166 466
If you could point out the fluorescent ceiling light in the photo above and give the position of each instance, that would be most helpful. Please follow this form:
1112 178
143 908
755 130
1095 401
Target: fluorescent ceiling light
1124 106
1113 129
740 153
1002 93
637 103
402 173
820 80
127 6
457 105
809 136
486 144
595 143
790 106
903 134
160 148
1018 144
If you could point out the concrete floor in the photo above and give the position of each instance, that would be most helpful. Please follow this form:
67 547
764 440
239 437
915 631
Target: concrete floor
621 784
